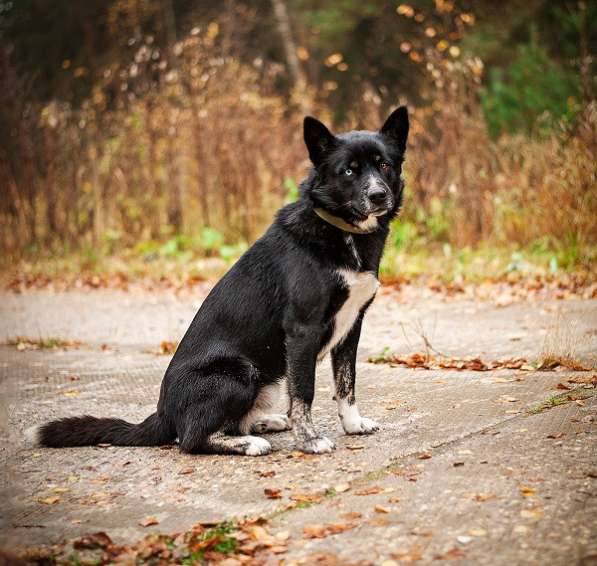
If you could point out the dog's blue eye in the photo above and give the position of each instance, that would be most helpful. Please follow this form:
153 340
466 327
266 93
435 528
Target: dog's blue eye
348 172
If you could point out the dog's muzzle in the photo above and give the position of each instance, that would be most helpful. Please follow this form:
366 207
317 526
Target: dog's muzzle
378 197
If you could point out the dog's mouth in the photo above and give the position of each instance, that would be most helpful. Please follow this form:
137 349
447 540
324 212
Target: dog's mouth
358 214
361 214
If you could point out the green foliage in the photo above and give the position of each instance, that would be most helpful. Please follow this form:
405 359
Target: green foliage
230 253
403 233
211 239
178 246
292 190
531 94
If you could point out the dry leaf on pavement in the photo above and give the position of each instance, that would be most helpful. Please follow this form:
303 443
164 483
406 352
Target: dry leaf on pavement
271 493
148 522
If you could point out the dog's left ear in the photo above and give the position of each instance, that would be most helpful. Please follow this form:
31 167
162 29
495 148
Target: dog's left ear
396 127
318 139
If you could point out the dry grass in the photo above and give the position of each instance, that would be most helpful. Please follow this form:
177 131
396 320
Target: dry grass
211 144
22 343
562 344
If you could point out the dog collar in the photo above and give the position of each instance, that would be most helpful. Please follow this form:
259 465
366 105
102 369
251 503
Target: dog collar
340 223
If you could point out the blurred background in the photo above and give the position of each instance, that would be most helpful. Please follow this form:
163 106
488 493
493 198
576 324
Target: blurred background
160 136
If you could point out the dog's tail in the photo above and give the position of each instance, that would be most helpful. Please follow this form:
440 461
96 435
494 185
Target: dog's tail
90 431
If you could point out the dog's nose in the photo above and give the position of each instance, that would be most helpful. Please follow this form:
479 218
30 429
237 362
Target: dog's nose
377 195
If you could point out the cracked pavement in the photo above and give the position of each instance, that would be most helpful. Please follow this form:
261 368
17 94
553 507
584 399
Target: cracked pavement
465 468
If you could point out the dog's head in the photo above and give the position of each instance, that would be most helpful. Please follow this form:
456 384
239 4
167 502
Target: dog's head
358 173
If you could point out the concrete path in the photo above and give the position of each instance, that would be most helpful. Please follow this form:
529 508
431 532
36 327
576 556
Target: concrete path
469 466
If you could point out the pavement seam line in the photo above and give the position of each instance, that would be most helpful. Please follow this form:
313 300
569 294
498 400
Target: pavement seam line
374 474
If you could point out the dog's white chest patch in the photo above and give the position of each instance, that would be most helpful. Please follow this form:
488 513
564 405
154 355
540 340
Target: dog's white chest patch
362 286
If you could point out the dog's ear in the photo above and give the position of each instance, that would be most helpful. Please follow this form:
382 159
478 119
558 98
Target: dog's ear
318 139
396 127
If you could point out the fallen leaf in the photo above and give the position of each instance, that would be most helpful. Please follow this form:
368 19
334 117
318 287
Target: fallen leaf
306 497
477 532
148 522
394 499
556 435
409 556
167 347
452 554
186 471
314 531
351 515
381 509
424 456
563 386
271 493
92 541
586 379
527 491
342 487
335 528
370 490
483 497
267 474
507 399
49 500
378 522
355 447
322 531
60 489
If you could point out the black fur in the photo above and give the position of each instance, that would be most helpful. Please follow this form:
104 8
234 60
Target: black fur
274 311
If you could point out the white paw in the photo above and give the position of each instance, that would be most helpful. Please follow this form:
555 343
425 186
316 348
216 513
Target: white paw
271 423
257 446
319 445
359 425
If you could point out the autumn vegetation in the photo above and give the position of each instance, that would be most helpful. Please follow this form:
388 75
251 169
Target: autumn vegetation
162 131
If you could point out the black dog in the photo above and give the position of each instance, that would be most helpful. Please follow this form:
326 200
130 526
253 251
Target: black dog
299 292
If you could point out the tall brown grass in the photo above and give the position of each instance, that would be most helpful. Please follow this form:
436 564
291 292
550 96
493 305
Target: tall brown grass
167 144
190 138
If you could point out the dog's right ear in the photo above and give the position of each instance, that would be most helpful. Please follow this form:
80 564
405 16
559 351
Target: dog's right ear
318 139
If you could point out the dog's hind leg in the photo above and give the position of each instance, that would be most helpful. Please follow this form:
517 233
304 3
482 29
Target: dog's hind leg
212 408
195 441
244 445
259 419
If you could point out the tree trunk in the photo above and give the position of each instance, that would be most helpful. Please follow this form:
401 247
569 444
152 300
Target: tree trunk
298 77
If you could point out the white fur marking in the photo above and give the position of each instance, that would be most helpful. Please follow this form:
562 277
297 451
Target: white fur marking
32 435
257 446
362 287
352 422
266 399
375 182
319 445
350 243
271 423
369 224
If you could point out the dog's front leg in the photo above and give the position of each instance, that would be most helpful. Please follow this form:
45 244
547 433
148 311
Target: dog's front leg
344 365
302 348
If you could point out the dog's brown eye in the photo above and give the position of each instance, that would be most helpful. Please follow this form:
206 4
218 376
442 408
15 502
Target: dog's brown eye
384 166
